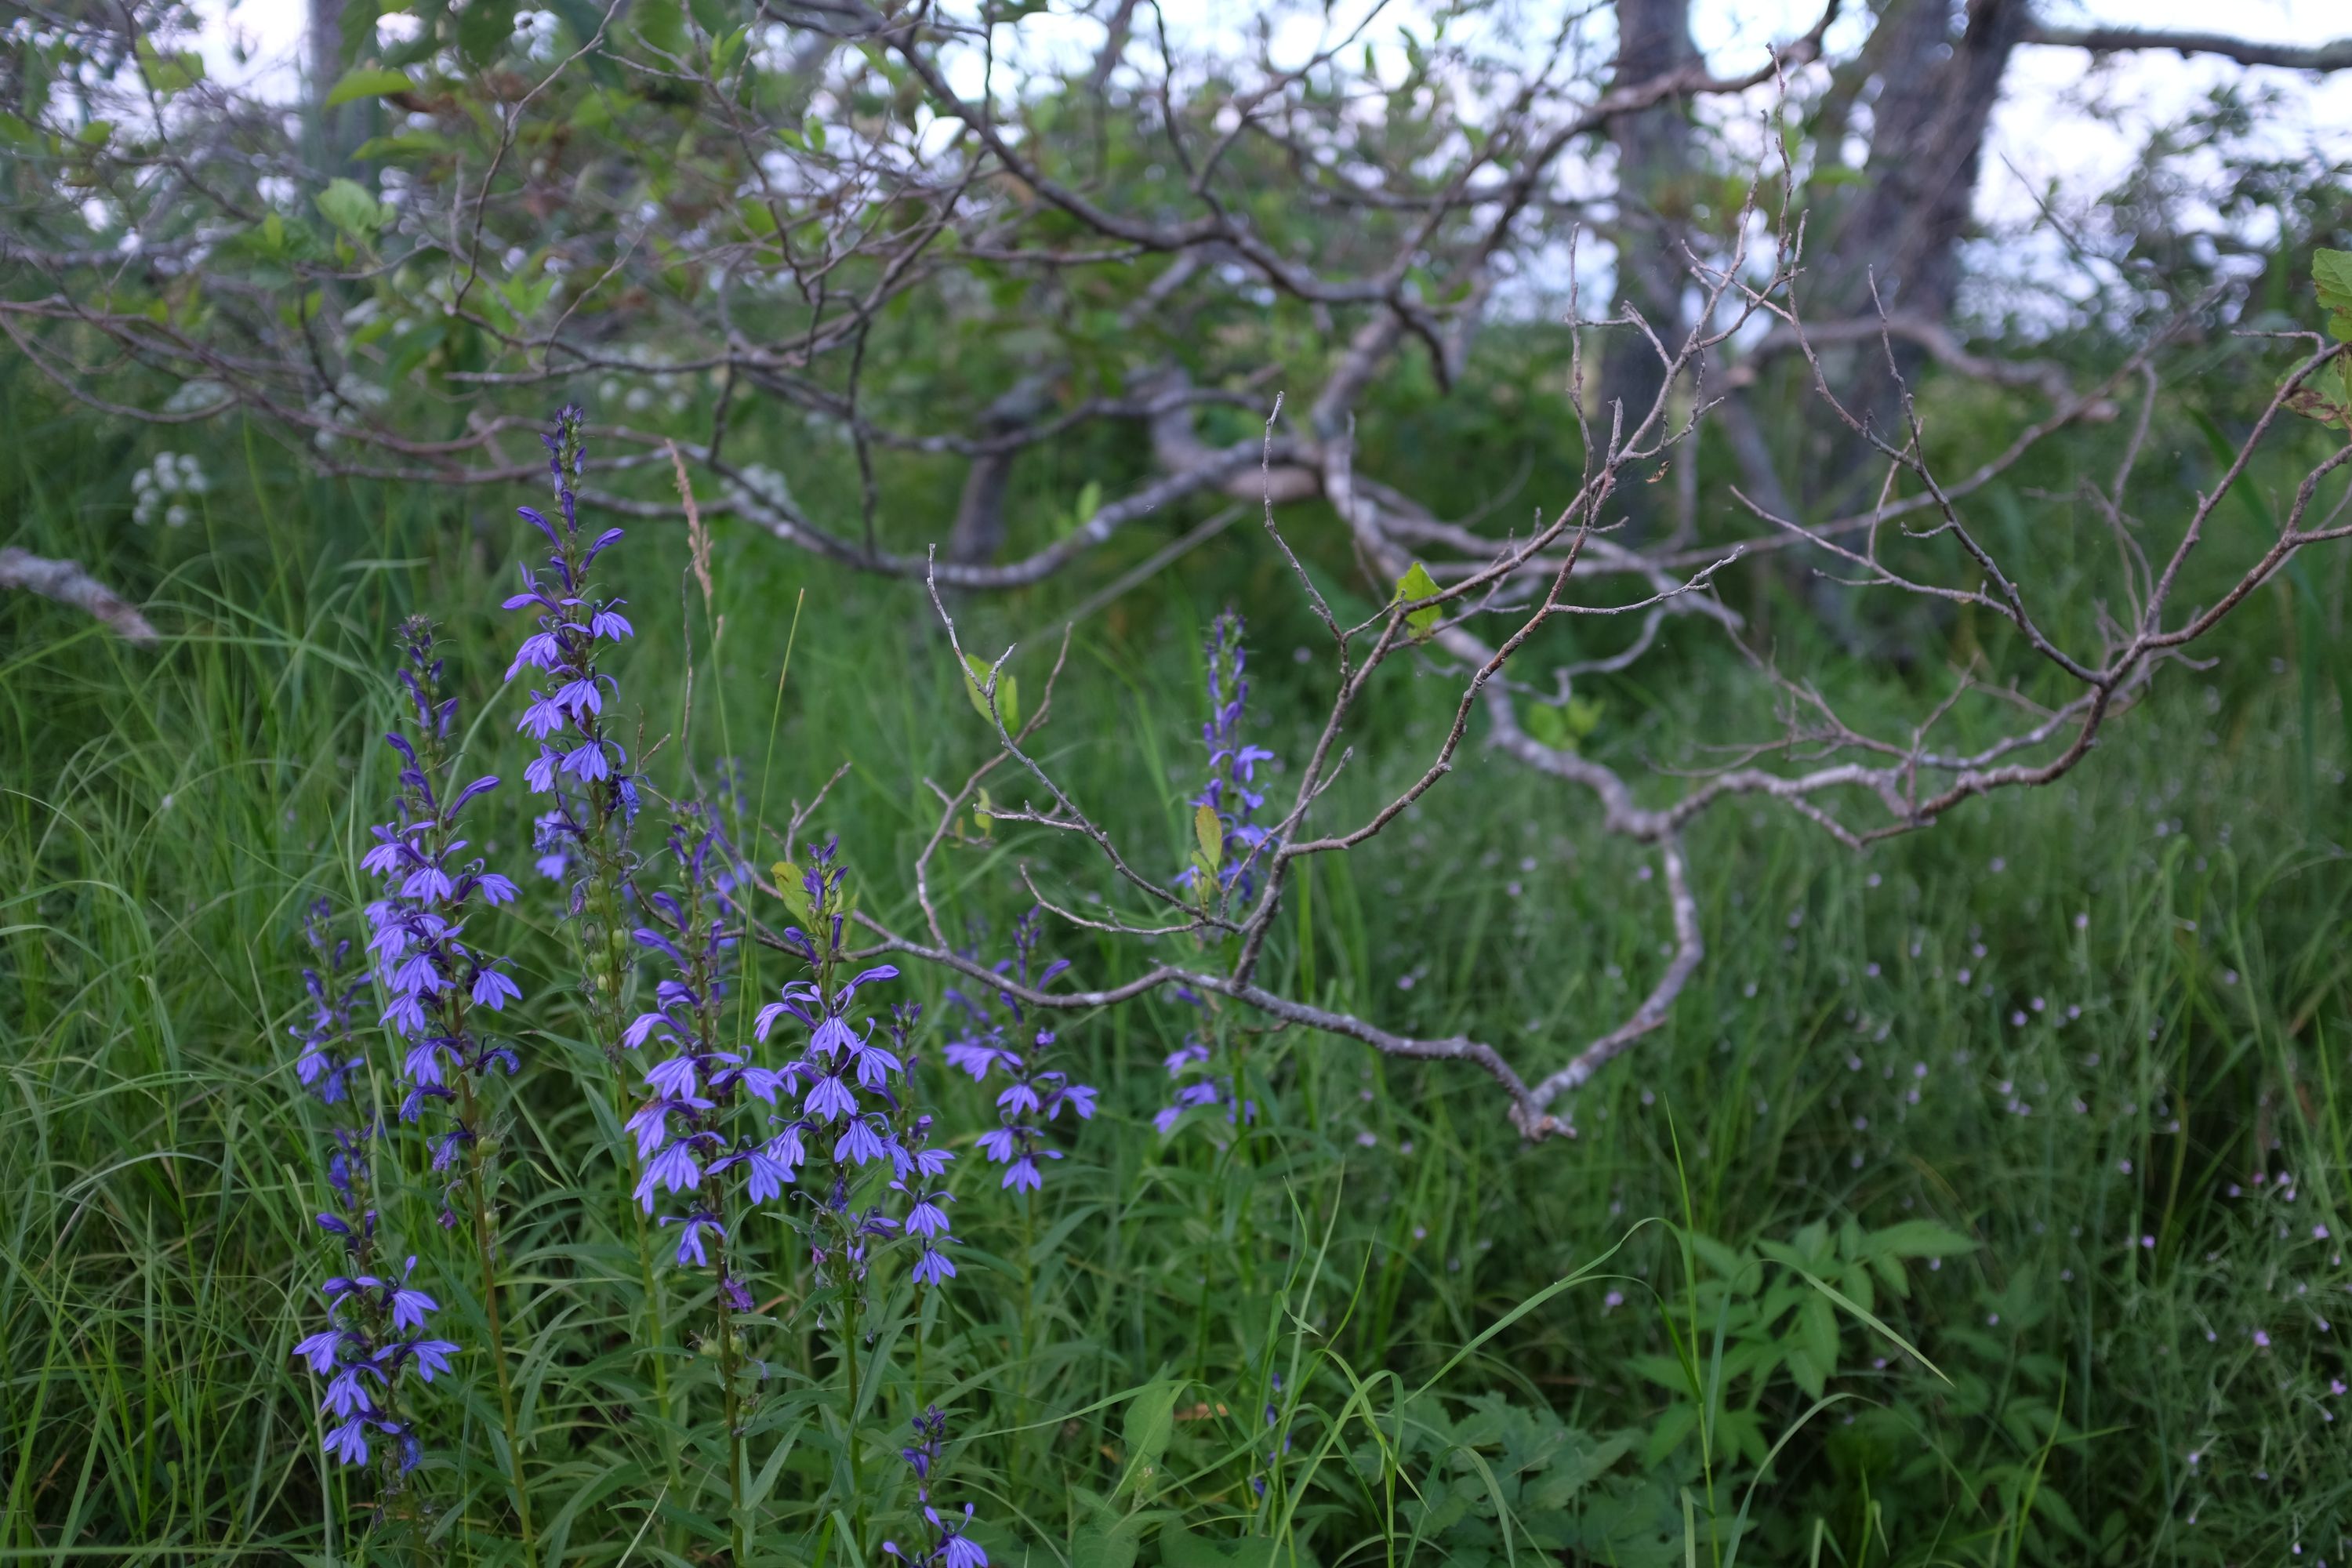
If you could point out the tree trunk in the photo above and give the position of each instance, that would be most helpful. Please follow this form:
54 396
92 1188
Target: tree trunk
1898 247
1653 184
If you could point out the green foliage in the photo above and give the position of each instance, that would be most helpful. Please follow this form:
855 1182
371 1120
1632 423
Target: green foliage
367 81
1502 1478
1000 687
2331 277
347 205
2327 396
171 72
1753 1314
1564 727
164 816
1416 585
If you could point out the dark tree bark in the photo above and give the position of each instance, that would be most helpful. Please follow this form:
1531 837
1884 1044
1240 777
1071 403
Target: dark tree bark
1897 246
978 531
1654 171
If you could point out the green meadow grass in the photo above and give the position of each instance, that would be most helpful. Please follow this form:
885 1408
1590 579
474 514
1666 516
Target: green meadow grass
2065 1066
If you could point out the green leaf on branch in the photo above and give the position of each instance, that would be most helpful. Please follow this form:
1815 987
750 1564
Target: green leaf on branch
347 205
1418 584
1563 729
2327 396
368 81
483 28
1089 502
793 892
1150 1421
2331 275
1008 692
168 74
1210 834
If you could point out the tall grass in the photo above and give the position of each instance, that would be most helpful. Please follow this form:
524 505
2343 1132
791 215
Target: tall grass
2097 1031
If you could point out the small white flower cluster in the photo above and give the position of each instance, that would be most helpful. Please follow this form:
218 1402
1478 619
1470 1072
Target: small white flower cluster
765 491
197 395
675 396
23 31
534 33
350 393
163 488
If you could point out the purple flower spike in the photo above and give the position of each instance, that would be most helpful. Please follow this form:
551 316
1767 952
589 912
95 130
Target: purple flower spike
1036 1090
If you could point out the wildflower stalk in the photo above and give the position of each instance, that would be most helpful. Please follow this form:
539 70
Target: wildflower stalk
865 1148
375 1321
583 838
435 982
486 1249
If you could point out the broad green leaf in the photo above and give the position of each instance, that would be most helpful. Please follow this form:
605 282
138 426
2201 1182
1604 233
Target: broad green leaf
1563 729
2331 275
1807 1372
787 883
407 144
2327 396
1723 1259
1866 1316
1089 502
1150 1421
1008 692
168 74
347 205
1210 834
1179 1548
1095 1547
1918 1238
1546 725
1817 1326
368 81
1418 584
483 28
727 52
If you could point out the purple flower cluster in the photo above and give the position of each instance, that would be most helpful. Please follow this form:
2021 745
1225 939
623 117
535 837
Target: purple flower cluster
682 1133
376 1332
855 1125
1231 791
579 762
1036 1093
333 981
1198 1082
951 1544
376 1325
432 977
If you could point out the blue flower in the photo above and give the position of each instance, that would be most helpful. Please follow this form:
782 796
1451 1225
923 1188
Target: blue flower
572 619
951 1544
409 1306
433 976
321 1350
1230 792
689 1239
1035 1090
348 1443
673 1168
